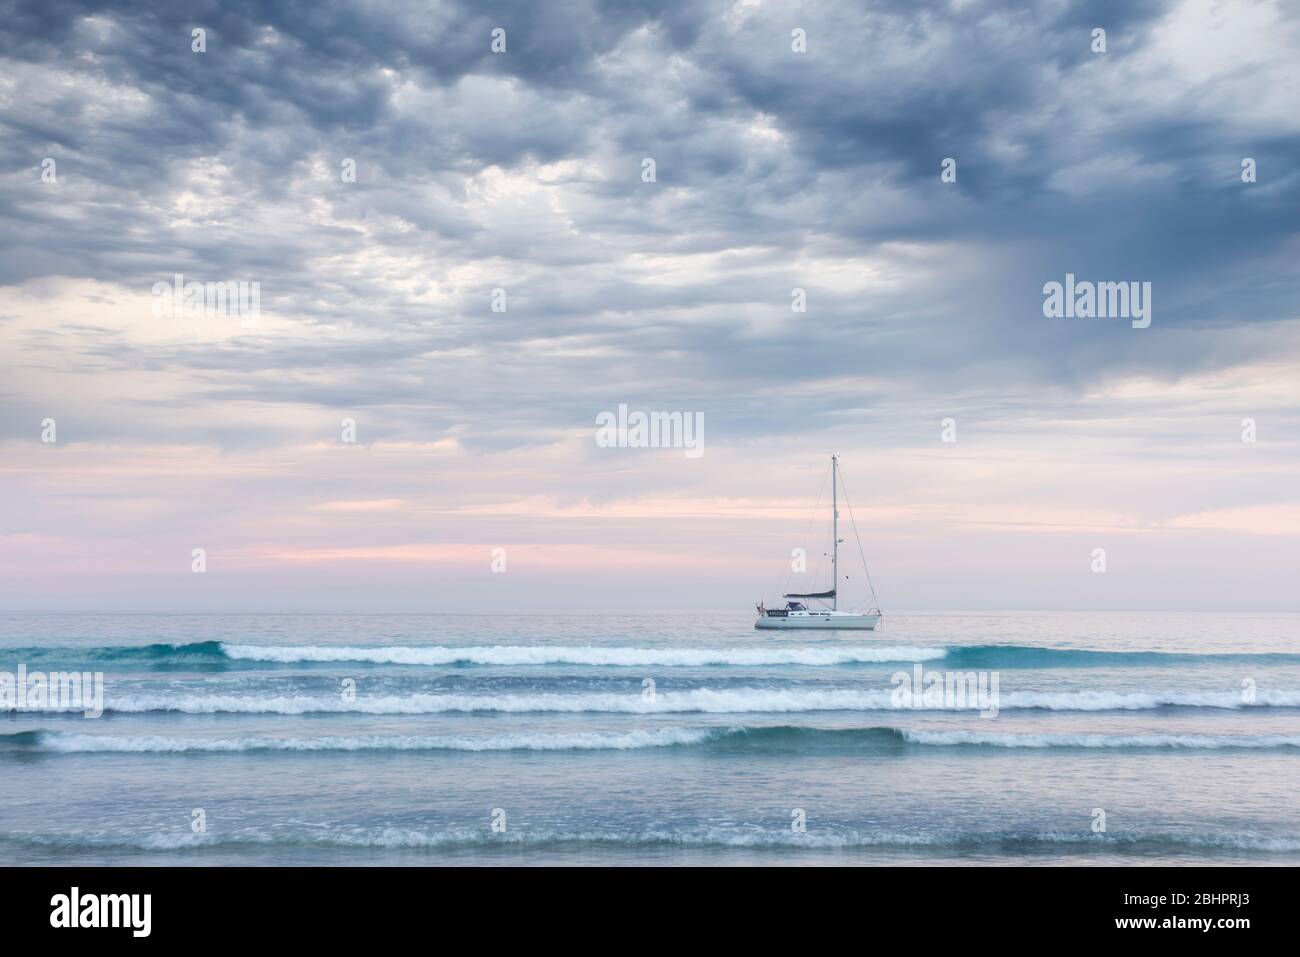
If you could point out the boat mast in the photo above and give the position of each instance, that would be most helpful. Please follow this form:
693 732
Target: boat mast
835 536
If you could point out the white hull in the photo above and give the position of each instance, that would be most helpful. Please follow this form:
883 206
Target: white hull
822 620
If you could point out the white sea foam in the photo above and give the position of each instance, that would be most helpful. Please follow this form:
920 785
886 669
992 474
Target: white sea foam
1145 700
1190 741
753 736
703 837
66 743
705 700
730 701
584 655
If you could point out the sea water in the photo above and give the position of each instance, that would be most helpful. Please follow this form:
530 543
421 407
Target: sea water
654 739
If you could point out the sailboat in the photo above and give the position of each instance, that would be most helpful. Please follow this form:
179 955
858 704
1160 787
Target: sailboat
827 614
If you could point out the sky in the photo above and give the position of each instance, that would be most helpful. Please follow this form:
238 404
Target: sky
501 270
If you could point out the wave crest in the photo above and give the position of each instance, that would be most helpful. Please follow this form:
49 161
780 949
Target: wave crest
704 700
785 738
583 655
847 839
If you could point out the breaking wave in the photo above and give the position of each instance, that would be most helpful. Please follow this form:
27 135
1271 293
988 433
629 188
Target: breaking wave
776 737
585 655
217 654
406 838
731 701
70 743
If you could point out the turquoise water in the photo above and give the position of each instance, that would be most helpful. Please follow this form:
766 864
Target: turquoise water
654 739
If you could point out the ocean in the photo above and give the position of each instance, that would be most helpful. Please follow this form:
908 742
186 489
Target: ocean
605 739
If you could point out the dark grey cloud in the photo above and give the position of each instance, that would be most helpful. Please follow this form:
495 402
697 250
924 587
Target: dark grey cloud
775 170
